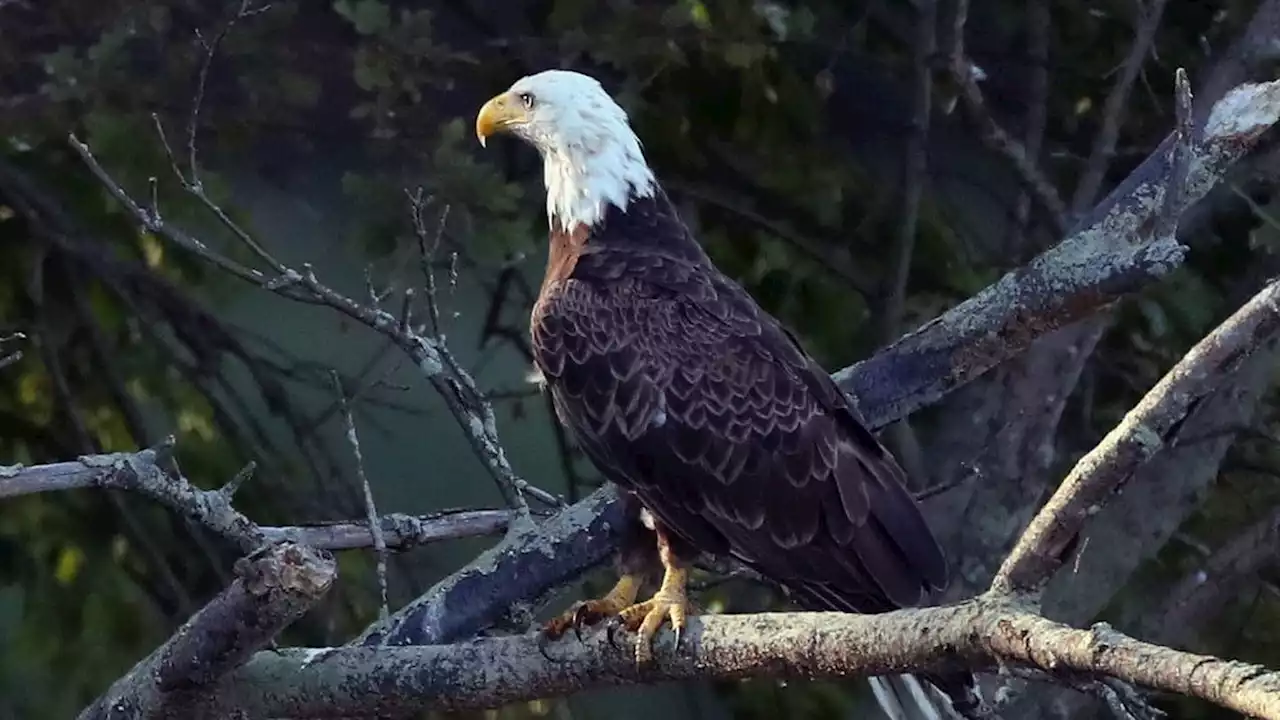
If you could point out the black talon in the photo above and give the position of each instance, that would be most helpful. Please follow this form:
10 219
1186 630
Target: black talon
611 629
581 616
542 641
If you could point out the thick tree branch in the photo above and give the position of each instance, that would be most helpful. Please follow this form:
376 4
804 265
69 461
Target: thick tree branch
516 572
1111 254
489 672
1144 431
273 589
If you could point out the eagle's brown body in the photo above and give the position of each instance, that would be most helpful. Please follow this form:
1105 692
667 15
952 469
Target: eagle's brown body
687 395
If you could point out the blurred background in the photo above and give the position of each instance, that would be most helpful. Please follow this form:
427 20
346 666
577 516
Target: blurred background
781 129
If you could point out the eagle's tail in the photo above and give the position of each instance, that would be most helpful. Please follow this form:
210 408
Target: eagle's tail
904 697
931 696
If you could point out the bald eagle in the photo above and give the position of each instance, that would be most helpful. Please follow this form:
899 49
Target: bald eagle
725 436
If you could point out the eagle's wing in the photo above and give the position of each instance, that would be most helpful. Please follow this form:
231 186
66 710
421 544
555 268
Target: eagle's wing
682 390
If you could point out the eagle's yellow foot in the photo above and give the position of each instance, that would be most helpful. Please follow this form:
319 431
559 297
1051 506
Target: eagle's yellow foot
670 603
590 612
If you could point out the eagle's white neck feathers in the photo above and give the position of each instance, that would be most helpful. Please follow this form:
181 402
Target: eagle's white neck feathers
591 158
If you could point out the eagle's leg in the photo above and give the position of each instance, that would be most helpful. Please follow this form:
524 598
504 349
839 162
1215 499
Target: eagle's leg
671 602
637 562
590 612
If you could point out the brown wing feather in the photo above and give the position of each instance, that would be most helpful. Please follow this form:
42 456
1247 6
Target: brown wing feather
682 390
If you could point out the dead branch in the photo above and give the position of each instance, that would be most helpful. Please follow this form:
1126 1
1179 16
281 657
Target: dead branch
1144 432
1106 258
1113 108
273 589
144 472
489 672
964 74
400 532
431 356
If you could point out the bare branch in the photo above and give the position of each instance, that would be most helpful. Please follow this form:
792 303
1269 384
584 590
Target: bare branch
399 532
142 472
518 571
273 589
432 357
965 74
1113 109
427 247
1111 254
490 672
1037 117
914 174
14 356
371 510
1143 433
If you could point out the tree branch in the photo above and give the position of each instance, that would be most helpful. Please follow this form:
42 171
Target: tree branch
143 472
273 589
1111 254
401 532
1144 431
489 672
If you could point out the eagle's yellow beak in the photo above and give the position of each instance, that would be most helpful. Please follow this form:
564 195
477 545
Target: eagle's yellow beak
499 115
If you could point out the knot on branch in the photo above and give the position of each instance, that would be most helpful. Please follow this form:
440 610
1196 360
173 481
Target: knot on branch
289 568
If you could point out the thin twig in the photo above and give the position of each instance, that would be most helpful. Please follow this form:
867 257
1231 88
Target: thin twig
1113 109
965 74
432 357
914 175
374 524
197 102
427 248
13 356
1037 116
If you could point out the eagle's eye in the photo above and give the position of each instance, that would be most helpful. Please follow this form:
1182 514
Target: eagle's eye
526 99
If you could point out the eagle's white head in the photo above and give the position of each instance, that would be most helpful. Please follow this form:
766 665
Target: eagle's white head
591 158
